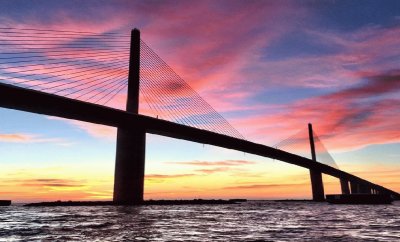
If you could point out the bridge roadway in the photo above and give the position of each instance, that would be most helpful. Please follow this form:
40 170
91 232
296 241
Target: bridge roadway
22 99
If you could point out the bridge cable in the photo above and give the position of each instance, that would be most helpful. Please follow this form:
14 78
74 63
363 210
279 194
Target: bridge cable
169 78
83 65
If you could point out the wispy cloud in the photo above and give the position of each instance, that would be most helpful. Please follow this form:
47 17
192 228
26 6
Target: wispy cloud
160 178
30 138
215 163
18 138
211 167
167 176
214 170
264 186
51 183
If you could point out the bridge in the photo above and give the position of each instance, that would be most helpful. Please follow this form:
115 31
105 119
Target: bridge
132 128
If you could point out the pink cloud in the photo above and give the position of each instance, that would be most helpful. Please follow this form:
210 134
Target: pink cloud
347 119
362 54
212 54
223 55
218 53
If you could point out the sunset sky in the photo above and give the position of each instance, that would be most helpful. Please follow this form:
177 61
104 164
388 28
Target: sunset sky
269 67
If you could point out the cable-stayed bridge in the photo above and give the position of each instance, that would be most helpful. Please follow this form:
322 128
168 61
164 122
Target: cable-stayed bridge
74 75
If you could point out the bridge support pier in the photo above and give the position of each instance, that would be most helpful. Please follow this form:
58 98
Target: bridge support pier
344 184
131 142
317 186
364 189
129 166
354 188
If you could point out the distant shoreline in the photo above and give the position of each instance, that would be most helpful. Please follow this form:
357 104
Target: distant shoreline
146 202
157 202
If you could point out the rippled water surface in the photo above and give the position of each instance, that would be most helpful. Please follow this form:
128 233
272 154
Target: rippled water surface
250 221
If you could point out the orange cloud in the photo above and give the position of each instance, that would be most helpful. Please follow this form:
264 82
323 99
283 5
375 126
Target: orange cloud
30 138
165 176
264 186
216 166
23 138
214 170
215 163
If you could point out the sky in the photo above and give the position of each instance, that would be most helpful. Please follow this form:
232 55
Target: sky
269 67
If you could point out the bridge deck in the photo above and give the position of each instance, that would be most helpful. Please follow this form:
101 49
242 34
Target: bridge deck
42 103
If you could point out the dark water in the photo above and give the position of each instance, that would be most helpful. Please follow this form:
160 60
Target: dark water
251 221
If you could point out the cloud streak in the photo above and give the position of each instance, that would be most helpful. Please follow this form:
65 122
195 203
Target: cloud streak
215 163
29 138
51 183
211 167
214 170
166 176
263 186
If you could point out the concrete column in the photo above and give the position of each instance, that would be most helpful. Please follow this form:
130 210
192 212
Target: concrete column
364 189
131 142
354 188
344 184
317 184
129 166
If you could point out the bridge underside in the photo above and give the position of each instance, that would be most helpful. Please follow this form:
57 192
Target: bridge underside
134 126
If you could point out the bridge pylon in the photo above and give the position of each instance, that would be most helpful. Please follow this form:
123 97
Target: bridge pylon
131 141
317 185
354 188
344 184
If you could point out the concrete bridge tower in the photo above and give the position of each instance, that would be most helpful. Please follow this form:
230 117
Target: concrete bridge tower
317 185
131 141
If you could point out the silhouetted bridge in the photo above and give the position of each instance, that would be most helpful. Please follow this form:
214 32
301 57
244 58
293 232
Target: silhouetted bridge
132 129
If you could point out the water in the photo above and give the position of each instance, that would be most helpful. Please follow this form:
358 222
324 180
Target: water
251 221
